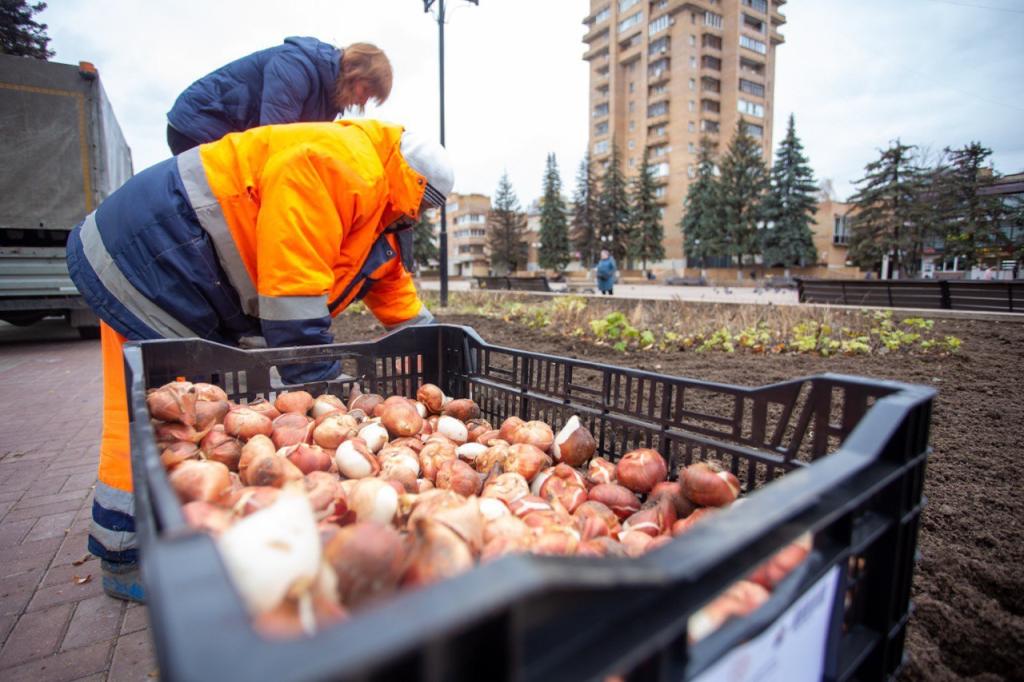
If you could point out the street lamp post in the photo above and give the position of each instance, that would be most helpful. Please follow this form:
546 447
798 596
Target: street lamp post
442 237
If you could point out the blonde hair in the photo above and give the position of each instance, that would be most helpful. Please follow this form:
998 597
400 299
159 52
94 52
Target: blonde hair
366 63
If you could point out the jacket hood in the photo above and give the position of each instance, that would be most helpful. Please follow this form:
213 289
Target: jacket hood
405 185
325 56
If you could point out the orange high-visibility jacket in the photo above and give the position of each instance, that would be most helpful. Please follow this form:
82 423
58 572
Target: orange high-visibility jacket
269 232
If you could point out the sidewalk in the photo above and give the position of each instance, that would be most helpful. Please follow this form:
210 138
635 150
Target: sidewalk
55 622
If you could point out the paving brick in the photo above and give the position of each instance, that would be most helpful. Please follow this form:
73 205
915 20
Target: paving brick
84 663
133 658
60 585
80 482
36 512
52 526
5 507
13 532
136 617
16 591
96 619
46 486
10 495
73 549
29 556
6 623
38 501
35 635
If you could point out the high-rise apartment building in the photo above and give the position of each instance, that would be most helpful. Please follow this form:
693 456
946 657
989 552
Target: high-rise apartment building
467 233
664 73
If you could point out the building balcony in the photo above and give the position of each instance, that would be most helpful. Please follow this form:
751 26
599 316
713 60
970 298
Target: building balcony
596 32
658 77
596 51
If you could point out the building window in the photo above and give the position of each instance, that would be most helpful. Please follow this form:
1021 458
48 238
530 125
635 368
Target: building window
632 107
750 66
601 110
655 90
659 191
690 127
691 172
601 147
601 128
693 62
691 105
692 148
841 231
693 84
632 126
631 86
752 88
657 68
751 108
709 84
631 144
630 22
657 109
710 105
757 5
660 150
713 20
755 45
693 40
658 25
632 159
602 15
709 62
712 41
656 131
626 4
453 206
660 4
753 24
659 46
709 126
659 170
755 130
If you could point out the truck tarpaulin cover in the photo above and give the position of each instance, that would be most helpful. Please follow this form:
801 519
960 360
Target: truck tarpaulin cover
62 150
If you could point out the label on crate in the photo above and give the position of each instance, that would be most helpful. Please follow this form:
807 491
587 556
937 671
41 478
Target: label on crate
791 649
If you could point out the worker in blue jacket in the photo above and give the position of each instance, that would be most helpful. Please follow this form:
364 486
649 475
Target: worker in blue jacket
302 80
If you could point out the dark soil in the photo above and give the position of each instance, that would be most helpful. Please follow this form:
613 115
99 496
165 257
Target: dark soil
968 621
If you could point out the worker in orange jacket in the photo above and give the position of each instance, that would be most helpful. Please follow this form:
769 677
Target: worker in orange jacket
258 238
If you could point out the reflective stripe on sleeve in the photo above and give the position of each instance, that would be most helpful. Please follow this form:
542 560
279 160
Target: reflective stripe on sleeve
423 317
284 308
123 290
211 219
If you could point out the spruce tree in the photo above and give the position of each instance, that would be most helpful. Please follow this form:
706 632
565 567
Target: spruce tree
647 246
20 34
702 224
585 239
888 215
424 249
614 219
742 187
790 206
969 222
554 225
506 230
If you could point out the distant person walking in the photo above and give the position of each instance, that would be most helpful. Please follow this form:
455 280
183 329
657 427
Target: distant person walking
607 273
301 80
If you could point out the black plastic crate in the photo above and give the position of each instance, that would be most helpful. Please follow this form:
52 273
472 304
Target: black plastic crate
852 451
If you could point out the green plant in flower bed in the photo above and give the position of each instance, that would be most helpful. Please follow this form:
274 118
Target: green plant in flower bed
678 327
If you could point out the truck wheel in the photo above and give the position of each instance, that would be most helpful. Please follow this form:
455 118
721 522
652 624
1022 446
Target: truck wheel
89 332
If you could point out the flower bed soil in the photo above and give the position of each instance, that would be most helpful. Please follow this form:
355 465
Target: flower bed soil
968 618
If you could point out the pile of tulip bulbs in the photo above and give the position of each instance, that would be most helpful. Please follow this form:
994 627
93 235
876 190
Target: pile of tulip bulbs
321 507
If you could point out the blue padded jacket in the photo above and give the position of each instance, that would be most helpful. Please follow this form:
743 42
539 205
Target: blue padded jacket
290 83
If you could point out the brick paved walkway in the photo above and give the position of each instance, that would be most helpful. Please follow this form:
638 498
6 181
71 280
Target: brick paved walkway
55 622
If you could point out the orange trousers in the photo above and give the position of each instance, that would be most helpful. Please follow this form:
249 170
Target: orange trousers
112 533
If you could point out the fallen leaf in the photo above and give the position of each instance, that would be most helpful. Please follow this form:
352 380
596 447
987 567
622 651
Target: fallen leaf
79 562
81 580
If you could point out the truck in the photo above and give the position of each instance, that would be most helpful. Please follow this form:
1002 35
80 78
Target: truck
61 153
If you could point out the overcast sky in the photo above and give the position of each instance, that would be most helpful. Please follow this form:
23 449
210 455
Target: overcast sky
856 74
